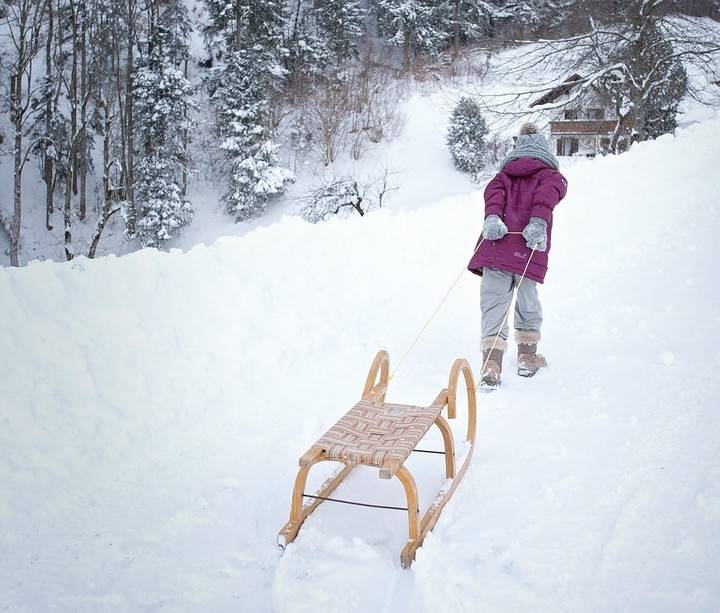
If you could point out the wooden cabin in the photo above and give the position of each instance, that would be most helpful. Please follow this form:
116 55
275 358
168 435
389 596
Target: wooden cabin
581 122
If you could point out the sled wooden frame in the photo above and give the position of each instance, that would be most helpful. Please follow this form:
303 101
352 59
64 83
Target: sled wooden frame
374 392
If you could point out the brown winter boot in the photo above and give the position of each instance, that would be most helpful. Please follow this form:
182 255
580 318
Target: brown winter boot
529 360
492 362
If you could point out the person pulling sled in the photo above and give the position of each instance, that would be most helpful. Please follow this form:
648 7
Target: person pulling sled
513 252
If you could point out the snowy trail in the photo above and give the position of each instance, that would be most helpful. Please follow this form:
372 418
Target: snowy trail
153 408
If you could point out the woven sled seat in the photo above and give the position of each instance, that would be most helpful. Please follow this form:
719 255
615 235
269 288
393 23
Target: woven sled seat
378 434
383 435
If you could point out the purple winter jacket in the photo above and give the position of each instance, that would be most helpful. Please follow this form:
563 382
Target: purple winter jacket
524 188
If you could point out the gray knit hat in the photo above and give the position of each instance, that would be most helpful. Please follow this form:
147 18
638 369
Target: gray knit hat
531 144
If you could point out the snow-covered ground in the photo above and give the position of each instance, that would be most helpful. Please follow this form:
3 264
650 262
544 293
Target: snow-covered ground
153 408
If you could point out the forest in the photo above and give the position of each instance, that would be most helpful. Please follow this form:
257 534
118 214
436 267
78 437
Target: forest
100 99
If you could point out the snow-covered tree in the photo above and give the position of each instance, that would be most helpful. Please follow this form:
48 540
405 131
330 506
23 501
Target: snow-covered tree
343 197
163 208
175 19
22 21
249 37
341 24
239 95
633 55
336 197
468 21
415 25
466 136
162 95
304 56
649 83
49 133
243 24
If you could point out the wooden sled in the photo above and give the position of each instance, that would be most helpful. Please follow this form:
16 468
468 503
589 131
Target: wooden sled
380 434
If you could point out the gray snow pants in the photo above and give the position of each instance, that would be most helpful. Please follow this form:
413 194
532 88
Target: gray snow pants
496 292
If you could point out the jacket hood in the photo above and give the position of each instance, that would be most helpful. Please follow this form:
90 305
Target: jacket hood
524 166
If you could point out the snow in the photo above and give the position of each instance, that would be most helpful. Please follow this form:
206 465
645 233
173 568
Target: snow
667 358
153 408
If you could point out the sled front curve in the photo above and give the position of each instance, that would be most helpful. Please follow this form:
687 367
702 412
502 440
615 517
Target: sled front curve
383 435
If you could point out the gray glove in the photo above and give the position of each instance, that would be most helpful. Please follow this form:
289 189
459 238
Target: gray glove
535 234
494 228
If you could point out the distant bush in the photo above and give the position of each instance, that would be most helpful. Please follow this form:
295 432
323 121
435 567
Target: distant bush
334 198
345 196
466 136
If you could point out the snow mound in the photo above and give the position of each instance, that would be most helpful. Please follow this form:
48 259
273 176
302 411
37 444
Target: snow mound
153 408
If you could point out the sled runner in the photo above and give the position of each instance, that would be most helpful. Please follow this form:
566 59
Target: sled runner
383 435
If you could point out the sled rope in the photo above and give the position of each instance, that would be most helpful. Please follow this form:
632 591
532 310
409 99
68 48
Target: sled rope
439 306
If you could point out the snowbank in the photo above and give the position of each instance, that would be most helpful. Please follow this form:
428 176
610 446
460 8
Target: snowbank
153 408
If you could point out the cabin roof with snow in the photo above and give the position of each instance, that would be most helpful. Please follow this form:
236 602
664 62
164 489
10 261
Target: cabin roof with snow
561 90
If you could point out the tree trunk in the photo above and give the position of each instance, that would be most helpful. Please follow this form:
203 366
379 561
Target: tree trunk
83 115
48 169
406 51
73 159
620 126
67 210
185 141
105 212
129 124
238 24
25 37
17 186
456 32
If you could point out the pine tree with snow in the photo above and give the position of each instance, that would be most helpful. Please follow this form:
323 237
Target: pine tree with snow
468 21
175 18
250 37
466 136
415 25
240 24
341 23
305 55
162 207
162 95
646 80
664 83
239 95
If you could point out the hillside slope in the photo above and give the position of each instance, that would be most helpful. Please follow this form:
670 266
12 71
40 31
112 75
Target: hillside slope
153 408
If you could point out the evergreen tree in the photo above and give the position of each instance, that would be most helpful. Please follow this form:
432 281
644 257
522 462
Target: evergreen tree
305 55
175 18
647 81
49 132
239 96
416 25
662 83
162 95
251 35
341 23
162 207
468 21
466 136
243 24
